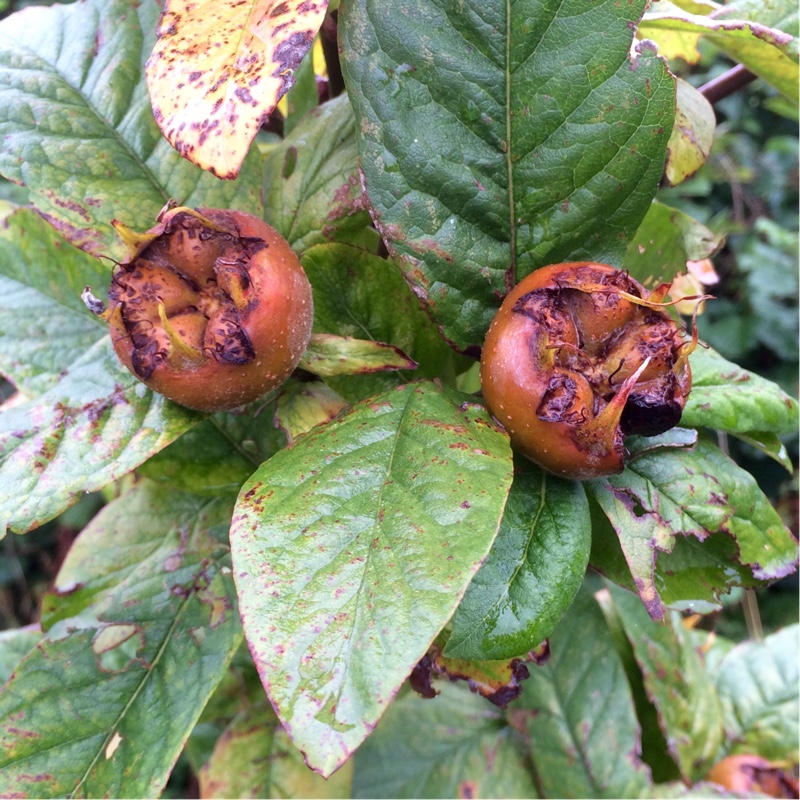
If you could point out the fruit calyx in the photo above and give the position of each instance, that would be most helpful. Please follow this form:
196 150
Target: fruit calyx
210 308
577 357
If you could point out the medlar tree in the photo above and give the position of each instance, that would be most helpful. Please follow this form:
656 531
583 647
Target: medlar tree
335 490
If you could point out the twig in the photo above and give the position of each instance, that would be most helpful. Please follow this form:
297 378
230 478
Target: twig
726 84
330 48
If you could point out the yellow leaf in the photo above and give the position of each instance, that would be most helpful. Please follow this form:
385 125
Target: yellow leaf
220 67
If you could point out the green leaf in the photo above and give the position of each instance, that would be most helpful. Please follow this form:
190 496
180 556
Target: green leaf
665 241
218 455
532 573
676 682
79 130
360 295
770 445
692 135
302 405
328 356
769 53
14 645
96 424
456 745
693 576
503 138
108 698
578 713
254 758
44 325
726 397
671 494
353 548
758 685
312 192
655 752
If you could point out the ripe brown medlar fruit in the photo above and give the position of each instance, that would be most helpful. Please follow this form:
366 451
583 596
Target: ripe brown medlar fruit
211 308
578 356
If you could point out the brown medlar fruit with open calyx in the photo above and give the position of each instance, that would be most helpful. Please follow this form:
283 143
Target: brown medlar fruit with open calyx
578 356
211 308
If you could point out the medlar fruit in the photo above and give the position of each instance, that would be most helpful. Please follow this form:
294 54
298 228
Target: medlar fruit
578 356
211 308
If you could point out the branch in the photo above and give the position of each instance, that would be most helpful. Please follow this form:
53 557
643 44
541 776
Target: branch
726 84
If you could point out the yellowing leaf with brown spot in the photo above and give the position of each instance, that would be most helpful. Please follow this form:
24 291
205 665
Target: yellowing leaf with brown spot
220 67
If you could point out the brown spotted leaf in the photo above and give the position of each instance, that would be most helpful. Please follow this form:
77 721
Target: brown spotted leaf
499 681
673 493
78 129
141 627
219 69
351 550
95 425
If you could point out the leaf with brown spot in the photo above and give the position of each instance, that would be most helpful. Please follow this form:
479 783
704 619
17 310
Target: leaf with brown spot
499 681
219 69
664 496
131 653
78 129
351 550
95 425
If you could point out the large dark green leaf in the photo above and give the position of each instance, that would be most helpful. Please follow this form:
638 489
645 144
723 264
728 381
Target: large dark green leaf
692 493
496 138
102 706
456 745
78 128
580 720
532 573
44 326
758 685
96 424
729 398
677 683
353 548
358 294
312 192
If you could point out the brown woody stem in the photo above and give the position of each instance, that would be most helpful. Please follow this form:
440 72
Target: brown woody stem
726 84
330 49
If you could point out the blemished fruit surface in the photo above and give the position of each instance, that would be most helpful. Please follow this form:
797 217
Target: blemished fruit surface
577 357
211 308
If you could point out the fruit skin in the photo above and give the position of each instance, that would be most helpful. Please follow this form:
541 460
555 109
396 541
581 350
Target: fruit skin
237 304
570 365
